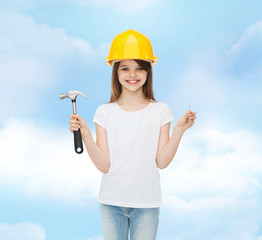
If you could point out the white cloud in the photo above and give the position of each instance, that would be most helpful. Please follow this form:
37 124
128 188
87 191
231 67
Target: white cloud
212 190
221 83
245 56
24 5
21 231
200 85
252 37
215 175
100 237
35 49
126 7
204 87
212 163
14 4
40 160
96 237
34 58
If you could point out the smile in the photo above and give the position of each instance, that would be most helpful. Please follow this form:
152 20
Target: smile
132 81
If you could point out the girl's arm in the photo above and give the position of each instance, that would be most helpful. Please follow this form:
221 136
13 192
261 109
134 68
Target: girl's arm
98 152
167 148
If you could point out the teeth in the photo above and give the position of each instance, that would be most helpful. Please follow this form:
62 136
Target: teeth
134 81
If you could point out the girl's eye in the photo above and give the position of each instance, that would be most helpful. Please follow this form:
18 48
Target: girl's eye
126 69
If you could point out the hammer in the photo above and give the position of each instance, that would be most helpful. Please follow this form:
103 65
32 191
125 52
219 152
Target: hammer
77 134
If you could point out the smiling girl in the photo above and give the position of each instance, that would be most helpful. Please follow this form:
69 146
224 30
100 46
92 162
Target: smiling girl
132 142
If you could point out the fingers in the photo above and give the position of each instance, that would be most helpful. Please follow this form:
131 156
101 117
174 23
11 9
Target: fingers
74 126
191 117
75 116
74 122
190 114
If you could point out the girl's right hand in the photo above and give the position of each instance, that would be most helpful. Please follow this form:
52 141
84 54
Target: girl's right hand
77 122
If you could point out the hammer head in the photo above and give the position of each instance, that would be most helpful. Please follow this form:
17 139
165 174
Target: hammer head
72 95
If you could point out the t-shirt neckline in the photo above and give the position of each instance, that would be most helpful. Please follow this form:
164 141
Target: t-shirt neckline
138 111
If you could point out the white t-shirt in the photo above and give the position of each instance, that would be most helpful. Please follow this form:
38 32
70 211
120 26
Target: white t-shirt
133 179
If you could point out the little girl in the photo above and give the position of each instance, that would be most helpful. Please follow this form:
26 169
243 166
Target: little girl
132 142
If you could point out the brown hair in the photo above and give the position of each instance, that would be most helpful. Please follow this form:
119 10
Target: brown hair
116 87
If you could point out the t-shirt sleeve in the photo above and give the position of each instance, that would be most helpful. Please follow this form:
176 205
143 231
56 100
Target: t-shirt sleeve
166 115
99 117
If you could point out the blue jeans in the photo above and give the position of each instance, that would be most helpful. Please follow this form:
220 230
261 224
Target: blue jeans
118 222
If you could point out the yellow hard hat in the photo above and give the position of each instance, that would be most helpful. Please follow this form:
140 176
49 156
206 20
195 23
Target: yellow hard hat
131 44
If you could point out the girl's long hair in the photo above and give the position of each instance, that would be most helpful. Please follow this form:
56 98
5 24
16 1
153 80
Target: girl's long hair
116 87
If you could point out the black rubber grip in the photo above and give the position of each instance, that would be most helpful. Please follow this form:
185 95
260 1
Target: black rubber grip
78 142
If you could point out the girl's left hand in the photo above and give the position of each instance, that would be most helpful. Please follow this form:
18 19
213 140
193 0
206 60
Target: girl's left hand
183 122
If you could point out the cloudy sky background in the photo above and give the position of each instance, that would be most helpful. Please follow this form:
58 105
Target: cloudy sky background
210 56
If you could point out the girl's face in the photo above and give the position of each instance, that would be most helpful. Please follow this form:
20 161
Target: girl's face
131 76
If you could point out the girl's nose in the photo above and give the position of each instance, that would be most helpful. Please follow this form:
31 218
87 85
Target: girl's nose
132 74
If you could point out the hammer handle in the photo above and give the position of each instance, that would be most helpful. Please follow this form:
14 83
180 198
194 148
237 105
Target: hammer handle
78 142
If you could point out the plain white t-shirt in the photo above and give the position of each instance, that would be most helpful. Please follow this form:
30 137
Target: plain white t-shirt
133 179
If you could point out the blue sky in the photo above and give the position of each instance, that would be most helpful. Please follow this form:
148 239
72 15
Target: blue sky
210 56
